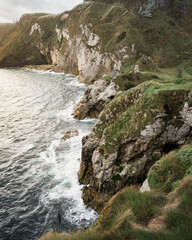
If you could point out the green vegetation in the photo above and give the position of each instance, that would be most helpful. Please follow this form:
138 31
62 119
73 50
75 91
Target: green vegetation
133 215
159 47
19 48
127 81
5 28
153 215
106 78
164 41
129 112
168 172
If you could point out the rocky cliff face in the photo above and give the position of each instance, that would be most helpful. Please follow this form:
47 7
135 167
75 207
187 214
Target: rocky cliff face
132 133
99 38
96 96
117 39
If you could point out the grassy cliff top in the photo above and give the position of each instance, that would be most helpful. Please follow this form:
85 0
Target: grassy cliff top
166 37
165 212
169 171
133 215
128 114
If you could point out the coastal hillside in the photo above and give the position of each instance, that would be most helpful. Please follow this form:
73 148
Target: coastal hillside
99 38
5 28
161 213
135 55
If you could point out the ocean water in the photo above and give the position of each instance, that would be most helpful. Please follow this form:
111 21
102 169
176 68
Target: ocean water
38 170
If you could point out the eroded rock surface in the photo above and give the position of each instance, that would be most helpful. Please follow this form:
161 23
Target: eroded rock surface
96 96
132 133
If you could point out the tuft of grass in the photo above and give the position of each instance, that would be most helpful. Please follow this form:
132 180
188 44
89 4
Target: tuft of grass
168 172
127 214
106 78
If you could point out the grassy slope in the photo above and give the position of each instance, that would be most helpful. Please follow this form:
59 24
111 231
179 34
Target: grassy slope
118 122
4 30
19 47
168 172
164 38
133 215
165 212
167 39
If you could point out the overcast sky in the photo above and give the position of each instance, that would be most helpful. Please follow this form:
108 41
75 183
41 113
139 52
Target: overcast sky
11 10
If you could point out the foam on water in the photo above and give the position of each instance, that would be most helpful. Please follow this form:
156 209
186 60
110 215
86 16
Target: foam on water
66 114
28 147
44 71
64 167
38 170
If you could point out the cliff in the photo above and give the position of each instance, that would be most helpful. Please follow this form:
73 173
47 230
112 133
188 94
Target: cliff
5 28
136 215
133 131
136 56
99 38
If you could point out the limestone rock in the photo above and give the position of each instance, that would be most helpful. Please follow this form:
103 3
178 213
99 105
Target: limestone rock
145 186
89 142
119 152
96 96
146 9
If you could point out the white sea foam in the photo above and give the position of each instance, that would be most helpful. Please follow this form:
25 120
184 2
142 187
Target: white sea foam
44 71
74 82
89 120
28 147
66 113
64 167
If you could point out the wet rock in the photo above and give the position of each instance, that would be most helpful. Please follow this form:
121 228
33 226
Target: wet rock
89 142
70 134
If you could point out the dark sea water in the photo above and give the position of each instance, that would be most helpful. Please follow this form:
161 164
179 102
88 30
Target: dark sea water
38 171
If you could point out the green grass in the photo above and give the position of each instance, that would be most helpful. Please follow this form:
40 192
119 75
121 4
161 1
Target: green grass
168 172
128 114
127 214
165 39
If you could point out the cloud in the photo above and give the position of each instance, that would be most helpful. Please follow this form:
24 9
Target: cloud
11 10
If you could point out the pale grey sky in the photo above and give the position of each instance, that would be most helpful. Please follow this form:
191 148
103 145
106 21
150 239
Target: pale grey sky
11 10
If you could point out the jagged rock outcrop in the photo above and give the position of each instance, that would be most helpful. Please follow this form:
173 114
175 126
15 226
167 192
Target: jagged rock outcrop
95 97
70 134
101 92
133 132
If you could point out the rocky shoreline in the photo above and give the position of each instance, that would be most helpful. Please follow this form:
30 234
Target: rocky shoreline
50 68
129 53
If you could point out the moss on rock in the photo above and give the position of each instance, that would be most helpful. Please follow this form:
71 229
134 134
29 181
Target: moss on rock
128 114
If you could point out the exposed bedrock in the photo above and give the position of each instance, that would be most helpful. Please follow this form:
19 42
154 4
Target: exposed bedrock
96 96
133 132
99 38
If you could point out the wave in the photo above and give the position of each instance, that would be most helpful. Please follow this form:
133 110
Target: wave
64 157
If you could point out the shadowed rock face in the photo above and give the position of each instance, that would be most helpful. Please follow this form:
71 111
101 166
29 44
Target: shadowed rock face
113 158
